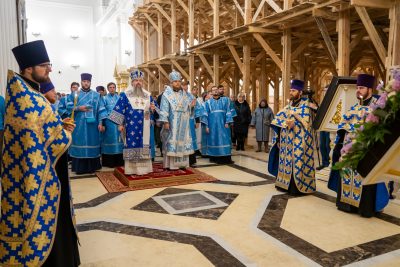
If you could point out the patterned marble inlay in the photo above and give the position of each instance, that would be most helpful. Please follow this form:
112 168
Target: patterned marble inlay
188 202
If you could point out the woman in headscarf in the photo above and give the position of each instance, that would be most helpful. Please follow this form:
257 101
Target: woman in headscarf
261 120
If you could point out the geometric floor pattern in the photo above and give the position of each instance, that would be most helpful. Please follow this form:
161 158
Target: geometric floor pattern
239 220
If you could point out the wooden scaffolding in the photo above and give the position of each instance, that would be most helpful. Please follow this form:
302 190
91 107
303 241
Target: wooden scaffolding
255 46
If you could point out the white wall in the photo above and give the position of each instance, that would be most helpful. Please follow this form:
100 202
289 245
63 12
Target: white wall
8 40
56 22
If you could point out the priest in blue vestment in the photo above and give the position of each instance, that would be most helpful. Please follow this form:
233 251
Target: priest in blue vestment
218 118
291 159
175 113
352 196
132 113
111 145
63 111
89 114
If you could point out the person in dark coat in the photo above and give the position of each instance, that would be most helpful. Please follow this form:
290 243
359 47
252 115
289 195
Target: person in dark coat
241 121
261 120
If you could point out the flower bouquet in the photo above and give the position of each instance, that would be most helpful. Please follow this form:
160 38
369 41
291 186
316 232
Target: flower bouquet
365 147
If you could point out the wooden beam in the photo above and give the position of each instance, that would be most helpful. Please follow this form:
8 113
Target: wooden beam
206 64
286 64
184 6
372 3
373 34
274 6
239 8
247 12
327 39
191 70
394 37
191 22
246 67
343 62
356 40
236 57
160 68
216 67
264 86
268 49
216 18
317 12
179 67
173 27
149 72
160 36
152 22
260 7
211 2
300 48
162 11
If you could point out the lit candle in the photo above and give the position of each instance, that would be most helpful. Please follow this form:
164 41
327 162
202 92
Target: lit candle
73 109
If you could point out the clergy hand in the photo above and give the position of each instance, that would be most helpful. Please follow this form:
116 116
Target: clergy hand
226 125
83 108
121 128
166 126
193 103
207 130
101 128
197 125
152 106
68 125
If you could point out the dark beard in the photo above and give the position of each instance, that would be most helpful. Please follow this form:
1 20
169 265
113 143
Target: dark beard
39 79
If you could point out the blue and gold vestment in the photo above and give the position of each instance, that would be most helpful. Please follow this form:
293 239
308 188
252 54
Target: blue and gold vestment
34 140
295 151
351 181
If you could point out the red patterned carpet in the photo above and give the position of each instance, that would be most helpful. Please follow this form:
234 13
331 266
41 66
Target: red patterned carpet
117 181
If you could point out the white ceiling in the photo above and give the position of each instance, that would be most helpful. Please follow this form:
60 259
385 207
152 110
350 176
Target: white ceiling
74 2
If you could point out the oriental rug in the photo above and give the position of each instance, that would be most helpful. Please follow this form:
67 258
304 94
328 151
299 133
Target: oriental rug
117 181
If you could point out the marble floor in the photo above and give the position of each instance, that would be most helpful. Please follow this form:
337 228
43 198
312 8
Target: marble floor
240 220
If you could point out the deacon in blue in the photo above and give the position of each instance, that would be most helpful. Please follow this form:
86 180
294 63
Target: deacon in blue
132 113
217 120
195 115
352 196
63 111
291 159
176 108
112 145
37 225
2 113
89 113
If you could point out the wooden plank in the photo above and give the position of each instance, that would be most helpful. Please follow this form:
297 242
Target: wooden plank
239 8
206 65
274 6
152 22
327 39
160 37
173 27
236 57
216 68
317 12
246 67
343 61
252 29
191 22
356 40
216 18
179 67
192 73
160 68
260 7
394 38
268 49
300 48
184 6
162 11
211 2
372 3
247 12
373 34
286 62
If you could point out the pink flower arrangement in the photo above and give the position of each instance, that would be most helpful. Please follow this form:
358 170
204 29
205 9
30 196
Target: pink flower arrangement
381 103
372 118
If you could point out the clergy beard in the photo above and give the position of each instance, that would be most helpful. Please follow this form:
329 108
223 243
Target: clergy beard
176 89
39 79
138 91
